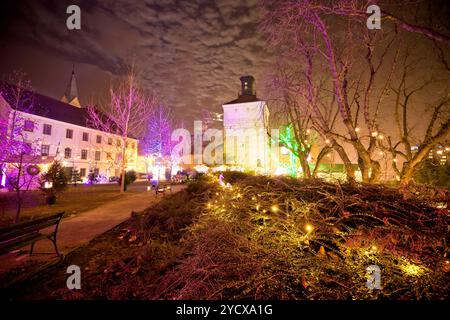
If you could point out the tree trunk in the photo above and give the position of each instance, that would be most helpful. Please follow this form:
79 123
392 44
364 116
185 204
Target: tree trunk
122 169
376 172
305 167
347 163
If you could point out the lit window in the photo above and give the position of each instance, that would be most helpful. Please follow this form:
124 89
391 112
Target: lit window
67 153
45 150
28 126
85 136
47 129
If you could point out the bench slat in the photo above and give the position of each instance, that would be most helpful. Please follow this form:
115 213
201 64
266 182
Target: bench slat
22 225
19 242
20 234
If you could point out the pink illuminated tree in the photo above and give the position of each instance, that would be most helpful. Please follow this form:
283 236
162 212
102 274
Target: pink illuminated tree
125 117
157 139
19 154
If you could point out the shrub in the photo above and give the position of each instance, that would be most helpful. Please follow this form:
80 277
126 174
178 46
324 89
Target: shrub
130 177
58 179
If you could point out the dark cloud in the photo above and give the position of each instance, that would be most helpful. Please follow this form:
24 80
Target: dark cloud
190 52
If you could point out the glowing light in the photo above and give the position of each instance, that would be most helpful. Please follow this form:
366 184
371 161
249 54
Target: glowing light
274 208
381 137
308 131
327 141
219 168
284 150
309 228
149 188
374 134
381 153
201 168
48 185
356 129
439 152
395 160
281 171
257 207
447 148
412 269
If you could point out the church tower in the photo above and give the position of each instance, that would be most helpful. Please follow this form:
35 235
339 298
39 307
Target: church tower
246 125
71 94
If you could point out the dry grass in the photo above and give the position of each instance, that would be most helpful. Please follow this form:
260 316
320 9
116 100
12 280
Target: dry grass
251 242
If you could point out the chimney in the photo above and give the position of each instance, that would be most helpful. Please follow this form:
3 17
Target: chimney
247 83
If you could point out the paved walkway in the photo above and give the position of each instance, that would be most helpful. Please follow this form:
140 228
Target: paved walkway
80 229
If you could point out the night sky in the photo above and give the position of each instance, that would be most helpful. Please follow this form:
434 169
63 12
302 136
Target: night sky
191 53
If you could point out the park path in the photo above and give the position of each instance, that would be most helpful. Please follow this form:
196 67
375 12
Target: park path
80 229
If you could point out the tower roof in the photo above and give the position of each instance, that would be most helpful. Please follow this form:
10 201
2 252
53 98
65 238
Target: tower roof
71 93
248 93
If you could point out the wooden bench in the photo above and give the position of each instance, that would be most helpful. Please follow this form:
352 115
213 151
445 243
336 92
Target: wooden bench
23 233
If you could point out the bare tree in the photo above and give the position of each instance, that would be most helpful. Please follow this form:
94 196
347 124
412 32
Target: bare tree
411 83
342 63
126 116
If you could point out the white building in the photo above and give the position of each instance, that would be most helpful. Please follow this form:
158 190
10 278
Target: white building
59 130
246 125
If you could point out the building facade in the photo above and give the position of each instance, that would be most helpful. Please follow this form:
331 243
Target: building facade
246 125
60 131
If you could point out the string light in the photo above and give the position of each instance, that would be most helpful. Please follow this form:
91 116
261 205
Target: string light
309 228
356 129
274 208
374 134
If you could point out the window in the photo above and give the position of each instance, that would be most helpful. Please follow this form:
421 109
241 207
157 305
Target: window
69 133
85 136
97 155
110 141
28 125
108 156
45 150
82 172
99 139
84 154
67 153
47 129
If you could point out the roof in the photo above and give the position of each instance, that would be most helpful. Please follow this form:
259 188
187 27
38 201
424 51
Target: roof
244 98
71 94
43 106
